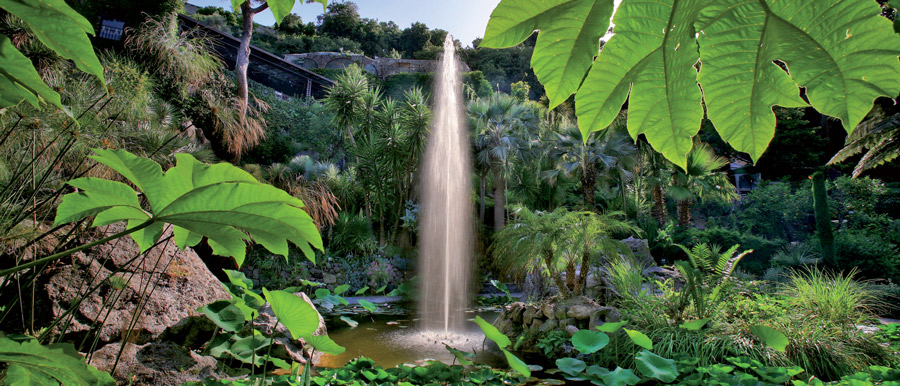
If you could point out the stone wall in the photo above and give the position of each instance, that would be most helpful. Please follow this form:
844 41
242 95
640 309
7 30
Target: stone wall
380 67
537 319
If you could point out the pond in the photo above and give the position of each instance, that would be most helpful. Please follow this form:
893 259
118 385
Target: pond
391 340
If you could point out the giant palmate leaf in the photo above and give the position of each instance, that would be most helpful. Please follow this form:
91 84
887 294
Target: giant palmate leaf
30 363
59 28
751 56
221 202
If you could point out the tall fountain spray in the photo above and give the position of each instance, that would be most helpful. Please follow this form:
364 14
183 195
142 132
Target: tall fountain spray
445 248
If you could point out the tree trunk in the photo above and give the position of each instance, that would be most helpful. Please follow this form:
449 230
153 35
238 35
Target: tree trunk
557 280
571 278
684 212
499 200
585 268
588 181
242 62
481 205
659 205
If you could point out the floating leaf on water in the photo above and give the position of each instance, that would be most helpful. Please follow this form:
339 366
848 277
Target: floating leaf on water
352 323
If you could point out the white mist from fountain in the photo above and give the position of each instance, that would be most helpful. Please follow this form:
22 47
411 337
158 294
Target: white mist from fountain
445 247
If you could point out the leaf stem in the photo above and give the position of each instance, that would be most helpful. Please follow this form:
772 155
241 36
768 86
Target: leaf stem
55 256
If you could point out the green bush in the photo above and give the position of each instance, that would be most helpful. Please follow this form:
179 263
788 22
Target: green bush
755 263
352 234
294 126
872 255
776 211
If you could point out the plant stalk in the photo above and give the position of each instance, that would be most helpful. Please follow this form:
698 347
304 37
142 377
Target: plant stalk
55 256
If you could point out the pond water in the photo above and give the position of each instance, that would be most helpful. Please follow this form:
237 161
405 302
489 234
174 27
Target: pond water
391 340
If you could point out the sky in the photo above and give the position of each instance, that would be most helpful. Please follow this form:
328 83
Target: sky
464 19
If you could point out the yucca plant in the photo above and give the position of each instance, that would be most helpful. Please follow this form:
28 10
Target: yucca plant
795 255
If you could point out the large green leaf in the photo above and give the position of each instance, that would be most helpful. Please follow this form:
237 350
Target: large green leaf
493 333
61 29
844 63
652 57
770 337
611 327
569 38
589 342
695 325
293 312
221 202
517 364
620 377
324 344
369 306
30 363
22 81
464 358
571 366
655 366
640 339
250 349
224 314
751 56
280 8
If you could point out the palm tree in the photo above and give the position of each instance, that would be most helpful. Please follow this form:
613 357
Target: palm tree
498 122
878 137
653 172
609 155
532 244
593 241
552 242
700 181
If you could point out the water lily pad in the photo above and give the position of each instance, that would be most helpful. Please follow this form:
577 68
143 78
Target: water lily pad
350 322
654 366
571 366
369 306
620 377
589 342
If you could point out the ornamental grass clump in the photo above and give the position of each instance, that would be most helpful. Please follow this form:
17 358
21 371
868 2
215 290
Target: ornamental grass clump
836 297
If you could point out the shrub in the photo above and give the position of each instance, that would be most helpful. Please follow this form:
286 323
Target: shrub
351 234
381 273
294 126
755 263
833 296
776 211
873 256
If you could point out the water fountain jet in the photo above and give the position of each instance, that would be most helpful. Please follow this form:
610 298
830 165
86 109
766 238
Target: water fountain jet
445 248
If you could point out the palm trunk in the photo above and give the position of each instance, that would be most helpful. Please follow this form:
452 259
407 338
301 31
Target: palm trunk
659 205
499 199
557 280
585 268
684 212
571 278
588 181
